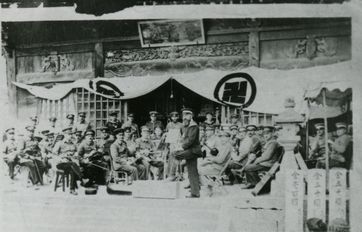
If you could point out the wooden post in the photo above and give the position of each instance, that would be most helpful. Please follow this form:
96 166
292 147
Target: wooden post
294 194
254 50
11 76
98 60
316 194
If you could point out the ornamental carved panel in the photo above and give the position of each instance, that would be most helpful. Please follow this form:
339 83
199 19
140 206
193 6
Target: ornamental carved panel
177 52
56 63
313 46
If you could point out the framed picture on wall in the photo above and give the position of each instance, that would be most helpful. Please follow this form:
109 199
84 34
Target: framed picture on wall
171 32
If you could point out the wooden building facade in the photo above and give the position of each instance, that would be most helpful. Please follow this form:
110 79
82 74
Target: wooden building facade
52 53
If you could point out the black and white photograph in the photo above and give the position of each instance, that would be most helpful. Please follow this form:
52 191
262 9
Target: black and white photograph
163 116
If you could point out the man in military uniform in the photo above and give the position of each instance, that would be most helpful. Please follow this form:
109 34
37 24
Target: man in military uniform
209 121
78 138
91 159
113 122
130 123
46 147
234 120
318 147
210 142
242 133
9 151
265 161
119 154
53 127
153 122
69 121
190 151
338 156
104 144
82 125
234 139
248 149
65 158
30 156
174 126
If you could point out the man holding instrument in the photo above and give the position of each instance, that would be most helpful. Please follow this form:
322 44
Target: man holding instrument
30 156
190 150
66 159
91 159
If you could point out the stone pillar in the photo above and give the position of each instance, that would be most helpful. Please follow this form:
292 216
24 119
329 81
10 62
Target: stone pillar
289 121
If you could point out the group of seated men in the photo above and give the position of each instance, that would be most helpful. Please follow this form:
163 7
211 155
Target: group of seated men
143 154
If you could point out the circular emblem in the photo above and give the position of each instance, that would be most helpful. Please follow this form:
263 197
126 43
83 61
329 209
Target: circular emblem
105 88
236 89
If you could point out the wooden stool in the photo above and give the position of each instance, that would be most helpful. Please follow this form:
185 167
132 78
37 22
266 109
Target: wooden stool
64 177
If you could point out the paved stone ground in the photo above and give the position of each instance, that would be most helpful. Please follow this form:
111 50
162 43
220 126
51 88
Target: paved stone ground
42 209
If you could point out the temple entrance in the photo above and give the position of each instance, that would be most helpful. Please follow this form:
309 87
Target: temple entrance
169 97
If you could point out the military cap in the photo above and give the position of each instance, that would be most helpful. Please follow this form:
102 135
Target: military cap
234 116
250 127
174 113
81 114
78 133
67 129
209 113
187 111
38 138
209 127
341 125
34 118
131 115
233 127
45 132
127 129
118 131
223 133
70 116
11 129
30 128
52 119
260 127
104 129
268 128
90 132
319 126
145 128
242 129
114 113
50 134
153 113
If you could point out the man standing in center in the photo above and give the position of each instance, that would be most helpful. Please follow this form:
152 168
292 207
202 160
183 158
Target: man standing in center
191 150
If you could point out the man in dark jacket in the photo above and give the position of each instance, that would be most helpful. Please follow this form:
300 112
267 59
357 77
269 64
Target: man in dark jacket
191 150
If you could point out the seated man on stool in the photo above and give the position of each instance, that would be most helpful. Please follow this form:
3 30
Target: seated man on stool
264 162
119 154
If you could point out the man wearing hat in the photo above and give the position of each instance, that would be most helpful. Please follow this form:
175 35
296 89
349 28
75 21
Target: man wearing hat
263 162
339 147
318 146
145 149
130 123
53 127
91 159
234 120
69 121
209 119
153 121
120 155
9 151
113 122
210 141
248 148
82 125
191 150
77 138
30 156
104 144
234 139
65 158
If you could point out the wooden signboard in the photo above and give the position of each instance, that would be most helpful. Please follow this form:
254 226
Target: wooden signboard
294 194
316 194
337 194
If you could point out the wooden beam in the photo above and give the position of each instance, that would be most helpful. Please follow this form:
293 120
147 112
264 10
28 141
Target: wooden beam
98 60
35 78
11 77
254 49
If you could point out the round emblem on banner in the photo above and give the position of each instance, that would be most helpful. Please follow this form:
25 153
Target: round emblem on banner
105 88
236 89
